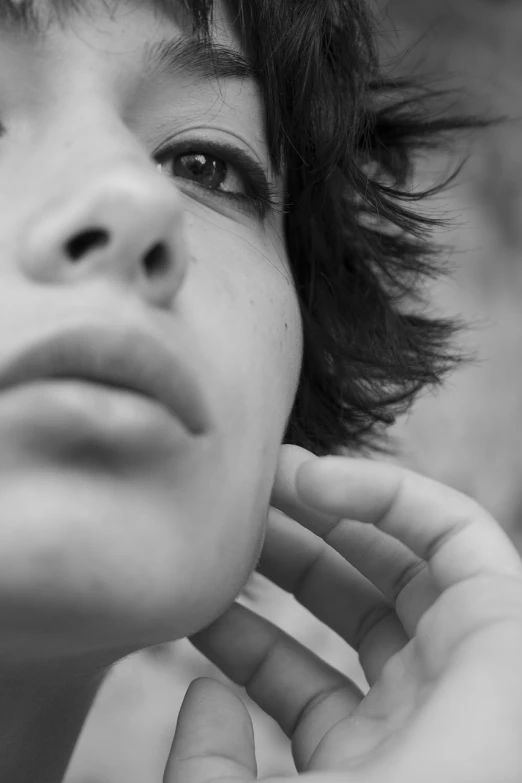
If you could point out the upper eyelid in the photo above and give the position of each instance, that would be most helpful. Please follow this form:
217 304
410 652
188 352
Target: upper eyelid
246 163
238 154
194 148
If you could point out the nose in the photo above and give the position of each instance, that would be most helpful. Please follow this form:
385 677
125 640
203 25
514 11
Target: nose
127 223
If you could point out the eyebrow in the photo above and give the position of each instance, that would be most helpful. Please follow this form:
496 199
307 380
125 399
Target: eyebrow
200 59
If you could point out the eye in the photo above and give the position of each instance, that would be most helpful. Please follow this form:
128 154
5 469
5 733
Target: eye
225 172
207 170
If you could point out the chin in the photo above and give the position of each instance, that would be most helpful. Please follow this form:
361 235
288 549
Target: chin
91 564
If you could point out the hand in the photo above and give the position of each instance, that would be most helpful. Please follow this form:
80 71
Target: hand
424 584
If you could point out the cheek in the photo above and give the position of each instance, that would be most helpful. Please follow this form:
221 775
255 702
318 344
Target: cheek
249 322
243 307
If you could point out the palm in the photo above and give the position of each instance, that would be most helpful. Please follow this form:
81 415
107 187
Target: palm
405 700
423 584
379 718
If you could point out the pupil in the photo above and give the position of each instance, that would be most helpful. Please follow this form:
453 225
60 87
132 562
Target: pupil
204 169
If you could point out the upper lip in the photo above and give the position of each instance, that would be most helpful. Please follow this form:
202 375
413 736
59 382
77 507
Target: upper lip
128 358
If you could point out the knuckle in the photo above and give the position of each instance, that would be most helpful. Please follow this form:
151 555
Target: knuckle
370 620
406 576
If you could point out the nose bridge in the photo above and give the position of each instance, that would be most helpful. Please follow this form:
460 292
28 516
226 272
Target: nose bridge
98 206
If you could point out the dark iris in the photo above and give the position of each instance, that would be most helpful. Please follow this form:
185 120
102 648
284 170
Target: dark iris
206 170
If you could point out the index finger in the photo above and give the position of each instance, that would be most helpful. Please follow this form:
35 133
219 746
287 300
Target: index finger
453 533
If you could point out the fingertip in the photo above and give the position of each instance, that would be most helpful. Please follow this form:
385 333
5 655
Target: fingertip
291 458
314 476
214 724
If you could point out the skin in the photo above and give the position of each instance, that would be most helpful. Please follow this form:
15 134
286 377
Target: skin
111 542
418 578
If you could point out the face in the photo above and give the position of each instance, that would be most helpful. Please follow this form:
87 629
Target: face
119 525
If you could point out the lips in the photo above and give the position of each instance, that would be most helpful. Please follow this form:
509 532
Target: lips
128 359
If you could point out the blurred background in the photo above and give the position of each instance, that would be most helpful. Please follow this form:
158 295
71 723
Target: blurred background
467 435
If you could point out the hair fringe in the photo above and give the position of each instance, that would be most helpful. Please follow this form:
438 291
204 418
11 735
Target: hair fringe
347 139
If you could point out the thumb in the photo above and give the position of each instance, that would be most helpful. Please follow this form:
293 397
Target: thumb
214 737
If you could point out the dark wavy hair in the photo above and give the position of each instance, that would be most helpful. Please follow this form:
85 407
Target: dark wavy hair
345 139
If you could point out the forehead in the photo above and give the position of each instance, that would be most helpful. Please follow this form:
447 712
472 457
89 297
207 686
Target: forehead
219 51
216 55
32 17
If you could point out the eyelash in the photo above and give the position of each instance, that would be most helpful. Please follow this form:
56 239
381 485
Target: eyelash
263 197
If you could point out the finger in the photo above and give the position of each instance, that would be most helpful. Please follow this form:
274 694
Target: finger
402 576
214 737
286 497
455 535
300 691
335 592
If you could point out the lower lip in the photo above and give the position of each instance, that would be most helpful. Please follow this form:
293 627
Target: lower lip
63 409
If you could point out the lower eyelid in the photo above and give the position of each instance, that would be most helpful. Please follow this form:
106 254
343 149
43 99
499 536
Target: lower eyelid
246 204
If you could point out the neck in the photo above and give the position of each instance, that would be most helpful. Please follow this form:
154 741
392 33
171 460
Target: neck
42 711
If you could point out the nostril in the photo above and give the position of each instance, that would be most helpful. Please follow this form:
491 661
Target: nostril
157 259
86 241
